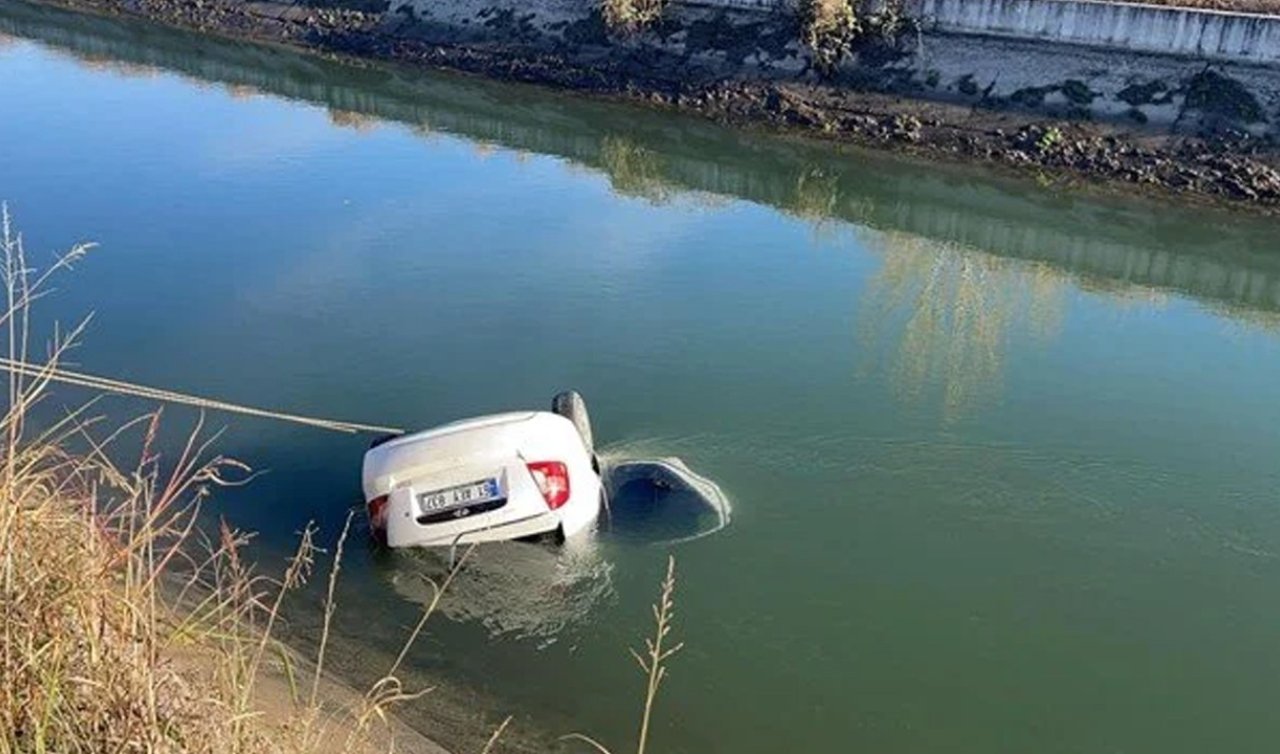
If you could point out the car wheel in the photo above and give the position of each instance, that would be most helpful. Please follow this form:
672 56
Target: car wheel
571 406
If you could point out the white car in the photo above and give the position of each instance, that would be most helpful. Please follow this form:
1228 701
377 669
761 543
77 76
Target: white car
500 477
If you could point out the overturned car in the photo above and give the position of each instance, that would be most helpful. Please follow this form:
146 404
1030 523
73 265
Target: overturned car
527 475
499 477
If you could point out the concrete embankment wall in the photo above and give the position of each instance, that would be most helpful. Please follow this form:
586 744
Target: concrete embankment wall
1120 26
1161 67
1131 27
1159 92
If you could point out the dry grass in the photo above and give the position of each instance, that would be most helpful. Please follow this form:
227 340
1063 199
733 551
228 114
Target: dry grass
125 628
631 16
652 661
829 29
833 29
128 630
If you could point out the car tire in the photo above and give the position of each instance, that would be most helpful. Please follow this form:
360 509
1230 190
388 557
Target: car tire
571 406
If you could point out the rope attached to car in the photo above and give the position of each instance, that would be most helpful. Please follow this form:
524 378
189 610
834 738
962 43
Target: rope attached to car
56 374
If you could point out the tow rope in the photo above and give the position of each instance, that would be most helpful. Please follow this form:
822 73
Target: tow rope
56 374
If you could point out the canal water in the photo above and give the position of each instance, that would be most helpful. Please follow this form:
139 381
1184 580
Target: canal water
1004 459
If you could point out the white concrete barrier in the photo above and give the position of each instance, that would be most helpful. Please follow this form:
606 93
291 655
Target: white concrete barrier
1122 26
1163 29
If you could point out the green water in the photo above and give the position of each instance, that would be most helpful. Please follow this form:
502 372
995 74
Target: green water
1003 459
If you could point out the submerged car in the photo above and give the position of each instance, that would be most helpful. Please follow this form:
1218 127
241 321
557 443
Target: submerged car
500 477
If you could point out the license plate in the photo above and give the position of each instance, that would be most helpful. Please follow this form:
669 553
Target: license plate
460 496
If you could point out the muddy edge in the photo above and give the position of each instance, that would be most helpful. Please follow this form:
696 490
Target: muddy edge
1221 169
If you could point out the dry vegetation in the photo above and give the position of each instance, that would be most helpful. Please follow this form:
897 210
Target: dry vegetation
829 29
630 16
658 649
127 629
833 29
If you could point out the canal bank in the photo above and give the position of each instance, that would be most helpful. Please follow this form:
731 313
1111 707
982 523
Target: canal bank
1205 134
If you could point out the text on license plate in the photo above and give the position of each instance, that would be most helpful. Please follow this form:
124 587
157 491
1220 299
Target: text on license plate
453 497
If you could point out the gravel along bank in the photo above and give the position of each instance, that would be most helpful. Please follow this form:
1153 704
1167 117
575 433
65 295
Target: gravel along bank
1223 166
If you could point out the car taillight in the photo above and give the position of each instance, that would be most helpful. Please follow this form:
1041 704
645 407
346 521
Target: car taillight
378 516
552 478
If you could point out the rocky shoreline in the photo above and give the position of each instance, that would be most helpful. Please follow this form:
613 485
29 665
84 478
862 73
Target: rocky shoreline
1227 168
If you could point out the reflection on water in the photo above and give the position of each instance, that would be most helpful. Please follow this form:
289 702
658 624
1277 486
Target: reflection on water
817 196
1249 319
358 122
1124 295
242 92
656 158
634 170
947 314
120 68
540 590
516 589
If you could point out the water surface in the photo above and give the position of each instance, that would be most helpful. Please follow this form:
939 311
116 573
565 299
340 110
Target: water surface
1003 458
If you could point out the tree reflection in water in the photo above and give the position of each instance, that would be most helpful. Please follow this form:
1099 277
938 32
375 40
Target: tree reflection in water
634 170
108 64
946 314
349 119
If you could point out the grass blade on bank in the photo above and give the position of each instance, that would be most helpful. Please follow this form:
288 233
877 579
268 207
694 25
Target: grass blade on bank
652 662
127 627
